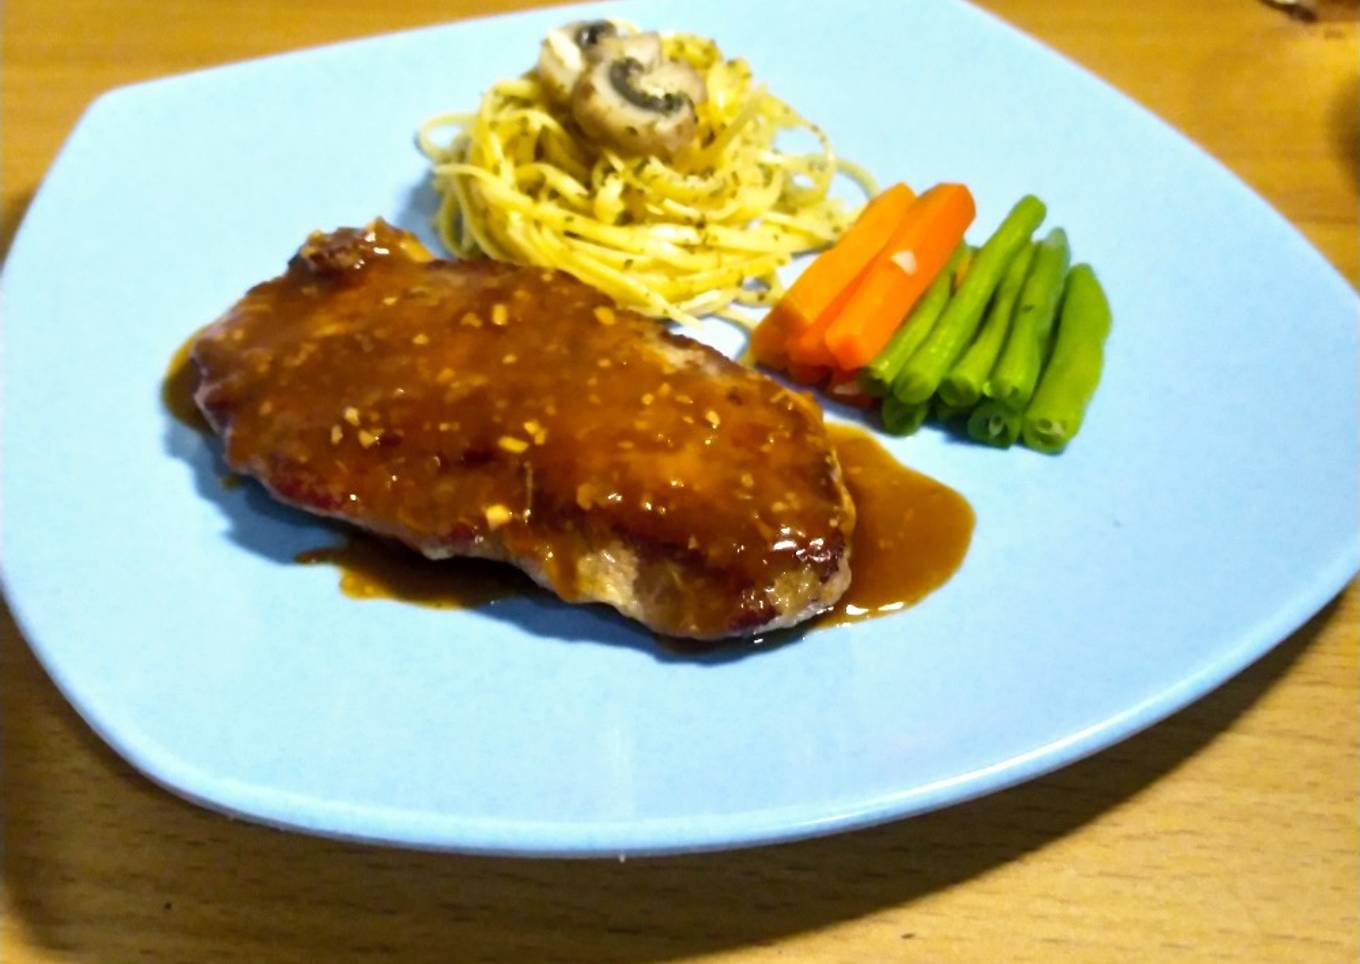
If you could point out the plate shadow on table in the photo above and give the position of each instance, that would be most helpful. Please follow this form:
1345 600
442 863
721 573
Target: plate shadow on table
15 209
90 847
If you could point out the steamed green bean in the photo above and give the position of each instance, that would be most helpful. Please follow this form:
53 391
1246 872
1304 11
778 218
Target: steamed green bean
1017 369
1073 371
928 365
962 387
876 378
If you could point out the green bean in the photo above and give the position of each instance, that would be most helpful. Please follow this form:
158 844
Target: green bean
994 424
922 373
1017 370
1073 371
900 418
962 387
877 376
946 413
967 253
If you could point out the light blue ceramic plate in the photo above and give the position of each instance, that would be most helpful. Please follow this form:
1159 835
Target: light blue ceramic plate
1208 508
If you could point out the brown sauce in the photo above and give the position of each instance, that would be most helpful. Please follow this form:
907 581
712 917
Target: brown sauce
911 532
177 394
373 569
177 389
450 404
911 535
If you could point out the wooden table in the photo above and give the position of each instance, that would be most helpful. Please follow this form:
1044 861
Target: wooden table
1226 832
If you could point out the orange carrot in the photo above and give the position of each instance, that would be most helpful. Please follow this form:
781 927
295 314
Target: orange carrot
807 345
918 250
833 271
769 343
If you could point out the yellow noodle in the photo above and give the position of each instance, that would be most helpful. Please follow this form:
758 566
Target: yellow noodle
680 239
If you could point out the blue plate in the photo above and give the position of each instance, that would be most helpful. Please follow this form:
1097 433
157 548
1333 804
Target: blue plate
1207 509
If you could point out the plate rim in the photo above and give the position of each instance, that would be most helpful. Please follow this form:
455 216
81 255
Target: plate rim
666 836
677 834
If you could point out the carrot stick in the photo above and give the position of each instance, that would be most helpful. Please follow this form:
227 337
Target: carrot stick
918 250
833 271
807 346
769 345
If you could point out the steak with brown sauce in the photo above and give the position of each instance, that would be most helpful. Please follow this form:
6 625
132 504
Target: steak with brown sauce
483 409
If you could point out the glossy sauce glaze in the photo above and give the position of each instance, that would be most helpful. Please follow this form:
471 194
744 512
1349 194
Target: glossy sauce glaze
912 531
483 409
373 568
177 394
177 390
912 535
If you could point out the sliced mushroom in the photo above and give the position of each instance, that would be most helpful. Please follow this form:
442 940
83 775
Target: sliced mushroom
637 106
645 48
567 51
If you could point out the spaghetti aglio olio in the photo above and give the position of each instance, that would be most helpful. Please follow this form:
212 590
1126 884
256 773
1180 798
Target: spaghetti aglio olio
682 238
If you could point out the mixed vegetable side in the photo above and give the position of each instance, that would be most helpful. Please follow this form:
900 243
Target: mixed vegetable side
1006 340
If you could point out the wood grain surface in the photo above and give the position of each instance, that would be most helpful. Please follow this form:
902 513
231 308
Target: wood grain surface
1228 832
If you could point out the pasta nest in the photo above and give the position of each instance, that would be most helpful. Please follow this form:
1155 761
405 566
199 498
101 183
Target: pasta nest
701 234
